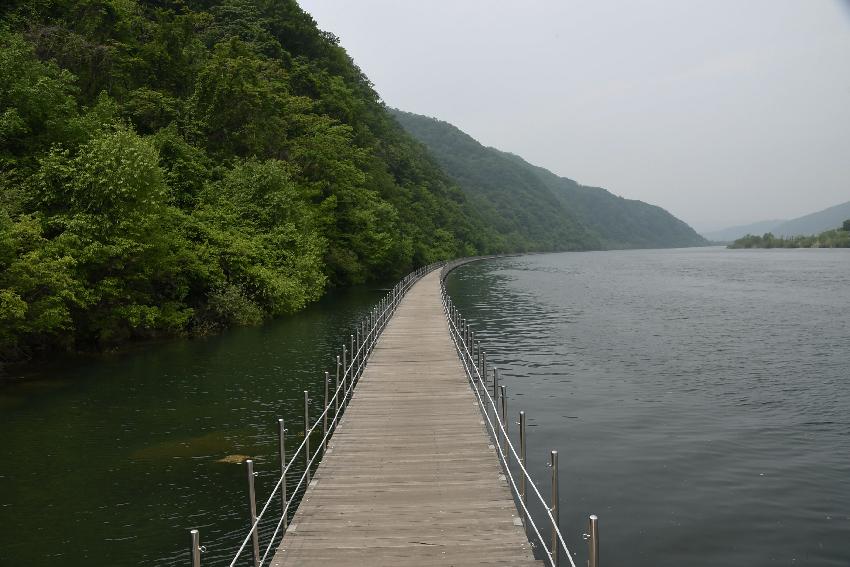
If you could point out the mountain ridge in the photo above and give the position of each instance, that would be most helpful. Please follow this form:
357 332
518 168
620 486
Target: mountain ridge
804 225
506 182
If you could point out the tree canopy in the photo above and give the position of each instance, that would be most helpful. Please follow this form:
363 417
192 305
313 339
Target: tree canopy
837 238
183 165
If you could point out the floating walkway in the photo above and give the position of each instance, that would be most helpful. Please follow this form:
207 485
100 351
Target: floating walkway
415 464
410 476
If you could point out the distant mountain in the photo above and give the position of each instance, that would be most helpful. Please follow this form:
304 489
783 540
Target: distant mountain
547 211
815 223
736 232
807 225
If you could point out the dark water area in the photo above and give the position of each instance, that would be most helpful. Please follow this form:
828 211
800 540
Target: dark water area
109 461
699 399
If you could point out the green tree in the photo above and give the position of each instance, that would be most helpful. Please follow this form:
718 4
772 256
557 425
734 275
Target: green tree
179 166
36 105
263 241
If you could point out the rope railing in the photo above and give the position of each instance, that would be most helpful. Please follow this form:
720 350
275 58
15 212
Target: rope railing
350 365
476 369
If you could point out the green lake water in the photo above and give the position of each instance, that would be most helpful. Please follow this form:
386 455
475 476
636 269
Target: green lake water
699 399
110 460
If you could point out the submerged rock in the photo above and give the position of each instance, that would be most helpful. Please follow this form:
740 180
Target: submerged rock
234 459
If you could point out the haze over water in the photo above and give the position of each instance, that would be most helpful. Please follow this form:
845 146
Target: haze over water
700 399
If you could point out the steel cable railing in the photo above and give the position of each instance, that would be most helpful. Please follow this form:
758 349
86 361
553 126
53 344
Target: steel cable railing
526 514
462 337
349 368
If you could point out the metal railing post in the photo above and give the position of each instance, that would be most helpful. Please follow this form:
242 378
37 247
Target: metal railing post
281 435
593 541
484 369
195 550
344 378
358 356
353 355
252 505
307 433
495 384
336 389
504 398
522 487
553 462
326 412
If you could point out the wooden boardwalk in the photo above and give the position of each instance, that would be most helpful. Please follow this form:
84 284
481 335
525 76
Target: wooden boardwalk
410 476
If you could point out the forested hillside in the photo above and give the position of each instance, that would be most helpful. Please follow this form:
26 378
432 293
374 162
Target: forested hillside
550 212
835 238
183 165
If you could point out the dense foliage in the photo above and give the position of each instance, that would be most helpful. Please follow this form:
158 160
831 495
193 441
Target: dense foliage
512 198
182 165
837 238
538 209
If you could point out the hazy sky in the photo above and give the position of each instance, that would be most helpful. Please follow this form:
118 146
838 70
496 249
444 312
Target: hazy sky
721 111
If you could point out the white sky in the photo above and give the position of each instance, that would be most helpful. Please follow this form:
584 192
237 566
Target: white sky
721 111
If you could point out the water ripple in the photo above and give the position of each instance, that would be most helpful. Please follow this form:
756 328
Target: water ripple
700 397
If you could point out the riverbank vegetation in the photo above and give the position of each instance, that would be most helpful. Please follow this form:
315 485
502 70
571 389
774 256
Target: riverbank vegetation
838 238
179 166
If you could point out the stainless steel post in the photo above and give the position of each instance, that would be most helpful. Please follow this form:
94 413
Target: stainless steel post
252 505
353 354
336 389
553 462
325 413
593 542
504 396
522 486
484 369
365 340
495 385
195 550
344 378
358 354
281 435
307 433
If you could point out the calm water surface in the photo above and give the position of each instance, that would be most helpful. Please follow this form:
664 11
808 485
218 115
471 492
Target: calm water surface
111 461
699 399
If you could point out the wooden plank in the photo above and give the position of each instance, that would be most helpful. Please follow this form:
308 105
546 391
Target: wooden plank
410 476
